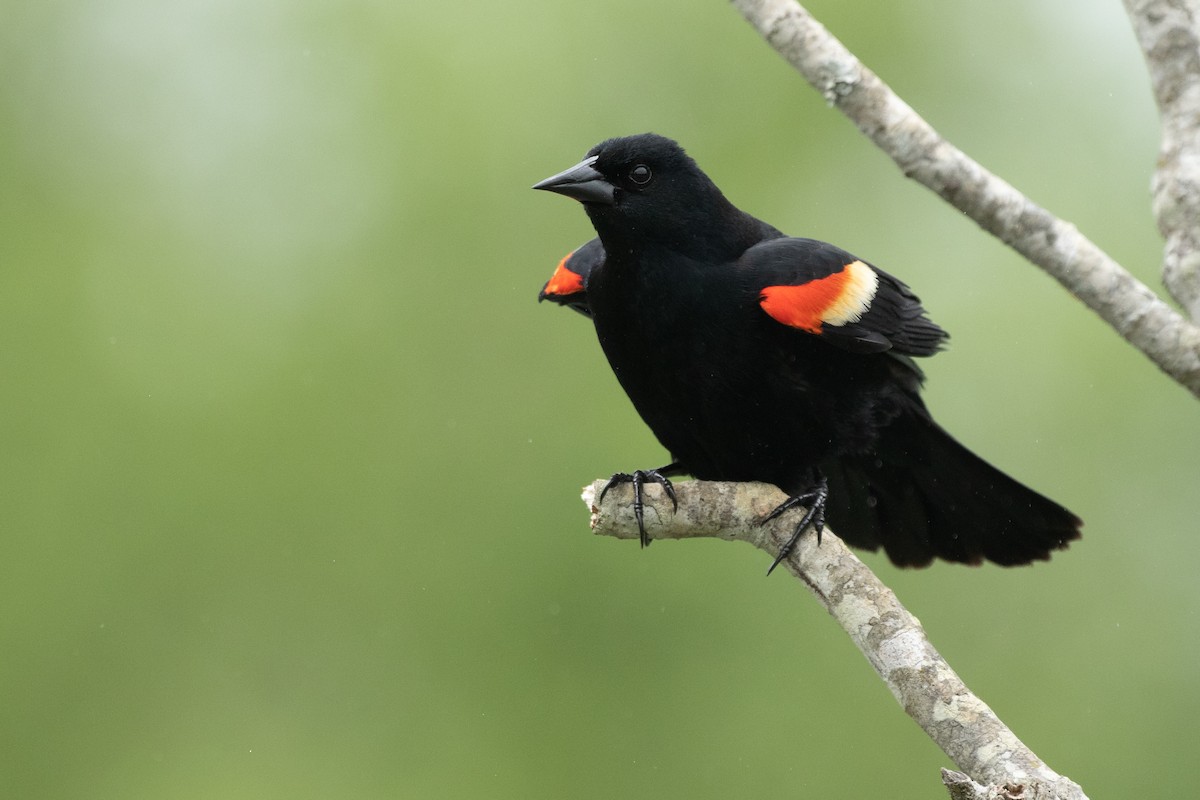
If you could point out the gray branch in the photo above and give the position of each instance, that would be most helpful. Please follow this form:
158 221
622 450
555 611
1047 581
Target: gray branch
1131 308
891 638
1169 34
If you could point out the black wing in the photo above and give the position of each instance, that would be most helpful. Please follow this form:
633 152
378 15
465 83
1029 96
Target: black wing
568 285
825 291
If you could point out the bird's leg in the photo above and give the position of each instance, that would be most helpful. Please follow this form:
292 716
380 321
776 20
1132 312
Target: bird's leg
814 500
639 478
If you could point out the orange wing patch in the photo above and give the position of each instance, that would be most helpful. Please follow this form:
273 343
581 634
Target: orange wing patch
837 299
563 282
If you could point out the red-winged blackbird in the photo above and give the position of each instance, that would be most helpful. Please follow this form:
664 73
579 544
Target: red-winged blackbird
568 285
755 356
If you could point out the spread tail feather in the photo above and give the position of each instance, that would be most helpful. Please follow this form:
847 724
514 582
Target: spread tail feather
921 495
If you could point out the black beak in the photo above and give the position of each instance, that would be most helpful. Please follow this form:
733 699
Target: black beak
581 182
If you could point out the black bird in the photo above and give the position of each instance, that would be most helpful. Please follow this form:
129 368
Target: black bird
568 285
755 356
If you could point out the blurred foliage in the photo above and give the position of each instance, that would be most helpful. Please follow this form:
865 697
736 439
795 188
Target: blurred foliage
291 457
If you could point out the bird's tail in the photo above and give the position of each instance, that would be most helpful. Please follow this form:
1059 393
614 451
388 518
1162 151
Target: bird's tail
921 495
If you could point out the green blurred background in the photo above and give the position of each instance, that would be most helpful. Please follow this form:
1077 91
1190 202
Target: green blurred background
291 458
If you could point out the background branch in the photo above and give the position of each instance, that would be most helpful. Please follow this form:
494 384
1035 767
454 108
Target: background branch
1169 34
1131 308
891 638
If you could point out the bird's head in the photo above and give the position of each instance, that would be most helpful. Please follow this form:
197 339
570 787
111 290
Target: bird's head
645 189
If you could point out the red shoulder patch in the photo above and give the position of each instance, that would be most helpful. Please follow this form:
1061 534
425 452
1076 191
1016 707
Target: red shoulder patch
563 282
836 299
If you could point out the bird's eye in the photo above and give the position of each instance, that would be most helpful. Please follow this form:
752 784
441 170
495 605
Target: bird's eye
640 175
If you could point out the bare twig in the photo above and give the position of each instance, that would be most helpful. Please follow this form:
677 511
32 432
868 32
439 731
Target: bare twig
961 787
1169 34
1147 322
889 636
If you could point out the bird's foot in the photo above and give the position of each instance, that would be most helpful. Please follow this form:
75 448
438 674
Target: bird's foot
814 500
639 478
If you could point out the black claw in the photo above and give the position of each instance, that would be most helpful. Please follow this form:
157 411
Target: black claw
639 478
814 500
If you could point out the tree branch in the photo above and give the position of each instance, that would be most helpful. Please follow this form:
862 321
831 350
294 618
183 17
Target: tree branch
1169 34
889 636
1126 304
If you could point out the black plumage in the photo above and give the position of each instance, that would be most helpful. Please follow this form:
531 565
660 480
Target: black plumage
756 356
